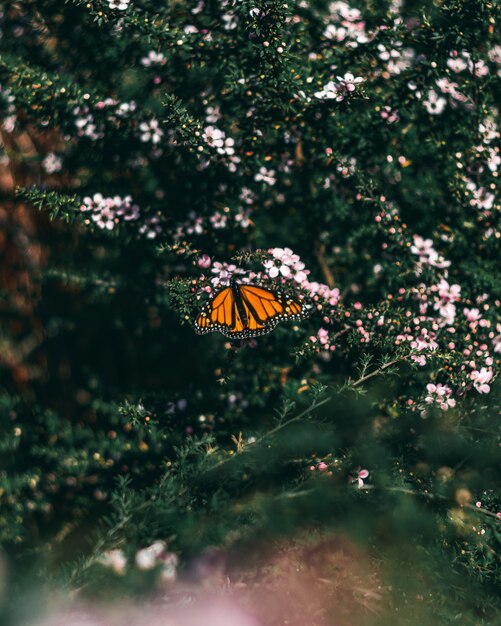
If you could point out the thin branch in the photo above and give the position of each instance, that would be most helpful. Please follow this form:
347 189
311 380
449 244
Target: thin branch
273 431
350 384
431 496
404 490
326 270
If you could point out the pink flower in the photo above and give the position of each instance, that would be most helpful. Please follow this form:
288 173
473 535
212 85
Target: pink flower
455 63
420 360
389 115
497 343
360 476
323 336
223 272
204 261
105 212
423 248
322 466
349 82
480 379
440 394
425 341
472 315
286 264
151 227
448 293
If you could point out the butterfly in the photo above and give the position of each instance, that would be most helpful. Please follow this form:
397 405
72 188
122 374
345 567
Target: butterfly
240 311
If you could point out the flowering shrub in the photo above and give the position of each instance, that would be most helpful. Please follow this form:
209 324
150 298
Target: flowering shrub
344 154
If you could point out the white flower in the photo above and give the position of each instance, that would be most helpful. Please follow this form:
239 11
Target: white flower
349 82
153 58
52 163
150 131
337 33
227 147
148 557
337 91
218 220
155 555
301 276
223 273
495 54
115 559
105 218
217 139
106 212
170 561
425 341
330 91
266 176
242 217
124 109
479 68
346 24
9 123
481 198
151 227
230 21
121 5
213 136
212 114
385 55
456 64
271 268
494 160
434 103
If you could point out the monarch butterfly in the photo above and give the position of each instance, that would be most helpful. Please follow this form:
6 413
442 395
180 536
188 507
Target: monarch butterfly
241 311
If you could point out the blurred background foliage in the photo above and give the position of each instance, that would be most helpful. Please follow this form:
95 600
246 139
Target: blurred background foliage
120 427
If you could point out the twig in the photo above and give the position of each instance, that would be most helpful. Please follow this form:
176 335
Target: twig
431 496
404 490
376 372
273 431
320 254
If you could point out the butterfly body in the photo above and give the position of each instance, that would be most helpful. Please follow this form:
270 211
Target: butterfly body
245 310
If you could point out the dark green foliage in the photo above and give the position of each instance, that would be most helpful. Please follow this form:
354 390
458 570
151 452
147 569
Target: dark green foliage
120 427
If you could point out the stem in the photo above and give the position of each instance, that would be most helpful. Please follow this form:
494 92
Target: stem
405 490
380 370
430 496
273 431
326 271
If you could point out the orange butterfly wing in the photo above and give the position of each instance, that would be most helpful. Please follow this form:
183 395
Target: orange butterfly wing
220 313
265 308
261 310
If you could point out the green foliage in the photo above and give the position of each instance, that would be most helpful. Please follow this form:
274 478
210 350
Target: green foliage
157 148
